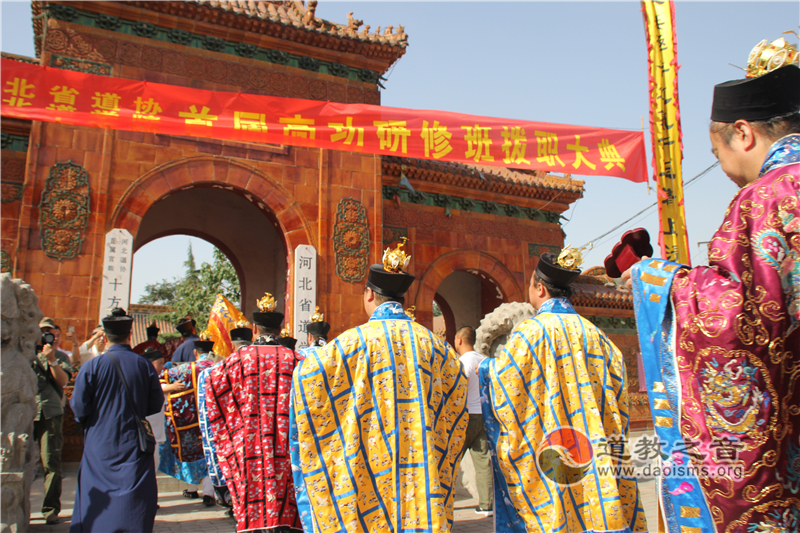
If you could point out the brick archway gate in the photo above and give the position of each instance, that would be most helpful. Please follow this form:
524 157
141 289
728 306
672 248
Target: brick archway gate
472 261
239 208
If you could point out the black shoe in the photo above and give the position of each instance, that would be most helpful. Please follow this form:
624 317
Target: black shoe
209 501
191 495
51 520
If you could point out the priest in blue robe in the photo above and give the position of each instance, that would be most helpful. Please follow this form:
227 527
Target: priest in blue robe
185 352
116 488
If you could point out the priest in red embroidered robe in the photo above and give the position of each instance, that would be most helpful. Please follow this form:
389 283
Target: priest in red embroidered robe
247 401
721 343
152 341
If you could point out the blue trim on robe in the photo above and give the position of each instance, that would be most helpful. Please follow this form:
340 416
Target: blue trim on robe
209 447
506 518
308 351
387 311
191 473
300 490
654 320
785 151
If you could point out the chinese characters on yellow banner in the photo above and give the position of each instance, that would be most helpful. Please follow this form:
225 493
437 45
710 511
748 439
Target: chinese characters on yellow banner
665 127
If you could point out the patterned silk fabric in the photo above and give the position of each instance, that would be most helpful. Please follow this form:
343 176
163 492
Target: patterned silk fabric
247 401
552 401
380 417
169 347
181 411
316 346
726 371
209 447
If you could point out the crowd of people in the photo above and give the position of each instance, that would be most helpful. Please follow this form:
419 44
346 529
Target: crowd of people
365 431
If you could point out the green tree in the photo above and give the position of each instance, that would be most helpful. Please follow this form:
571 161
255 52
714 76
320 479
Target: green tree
194 294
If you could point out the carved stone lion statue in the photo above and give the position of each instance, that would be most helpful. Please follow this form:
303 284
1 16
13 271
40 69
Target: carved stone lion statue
493 332
20 333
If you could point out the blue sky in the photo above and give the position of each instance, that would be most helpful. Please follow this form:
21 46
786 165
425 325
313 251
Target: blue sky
582 63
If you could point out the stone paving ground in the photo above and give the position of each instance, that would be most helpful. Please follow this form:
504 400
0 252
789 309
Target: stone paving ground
180 515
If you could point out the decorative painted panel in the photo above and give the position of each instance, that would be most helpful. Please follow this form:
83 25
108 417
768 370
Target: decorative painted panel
535 250
80 65
392 234
11 192
15 143
614 324
467 224
64 210
351 240
468 204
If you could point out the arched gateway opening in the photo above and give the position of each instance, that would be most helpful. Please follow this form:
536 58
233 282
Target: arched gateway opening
466 285
248 216
248 236
464 298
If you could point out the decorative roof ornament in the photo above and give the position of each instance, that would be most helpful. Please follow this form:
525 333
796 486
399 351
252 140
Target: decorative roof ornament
396 260
266 304
317 316
766 57
286 332
411 312
572 258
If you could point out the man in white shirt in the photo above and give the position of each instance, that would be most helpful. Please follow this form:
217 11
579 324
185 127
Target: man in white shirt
92 347
475 439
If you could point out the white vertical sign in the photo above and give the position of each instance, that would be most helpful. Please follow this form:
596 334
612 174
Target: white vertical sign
305 291
117 266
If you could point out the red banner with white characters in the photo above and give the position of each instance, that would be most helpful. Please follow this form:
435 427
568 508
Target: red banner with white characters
53 95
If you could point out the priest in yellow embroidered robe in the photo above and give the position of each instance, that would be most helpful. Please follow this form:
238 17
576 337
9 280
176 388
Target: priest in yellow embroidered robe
378 421
555 406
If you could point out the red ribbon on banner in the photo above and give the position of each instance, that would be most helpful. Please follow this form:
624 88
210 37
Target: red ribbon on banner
54 95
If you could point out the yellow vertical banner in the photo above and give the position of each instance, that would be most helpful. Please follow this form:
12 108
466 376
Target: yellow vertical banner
665 127
224 316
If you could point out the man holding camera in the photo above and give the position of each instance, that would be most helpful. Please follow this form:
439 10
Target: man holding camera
53 372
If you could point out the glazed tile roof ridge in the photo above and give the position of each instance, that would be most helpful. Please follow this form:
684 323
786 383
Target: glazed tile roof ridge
299 24
21 59
600 292
528 183
295 13
149 308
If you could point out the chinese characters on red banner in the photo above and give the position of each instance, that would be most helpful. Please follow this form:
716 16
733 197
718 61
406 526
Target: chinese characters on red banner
50 94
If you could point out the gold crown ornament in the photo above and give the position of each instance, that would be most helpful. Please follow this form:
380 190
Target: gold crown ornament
242 324
317 316
206 336
396 260
266 304
766 57
411 312
286 332
571 258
